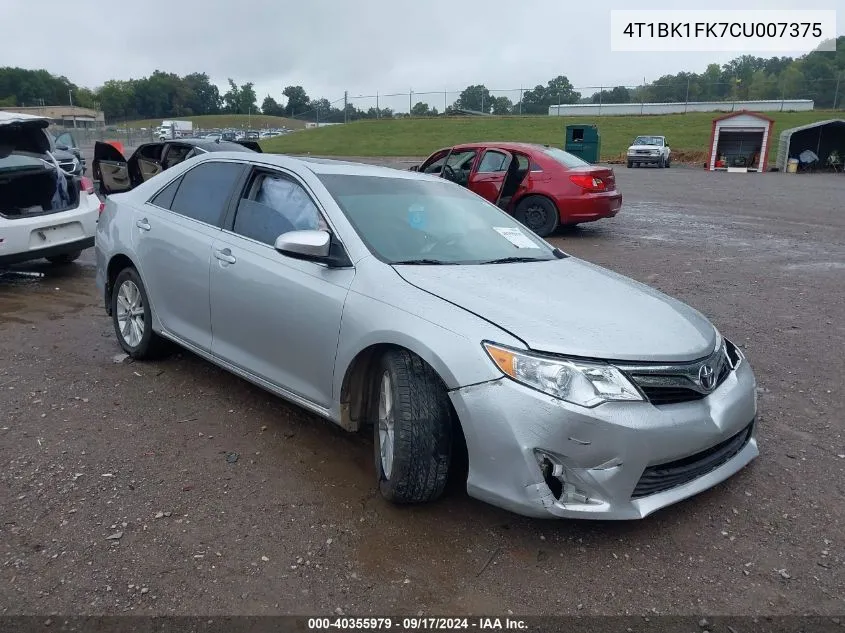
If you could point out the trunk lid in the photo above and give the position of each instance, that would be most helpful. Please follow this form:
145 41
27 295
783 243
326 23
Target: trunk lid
23 133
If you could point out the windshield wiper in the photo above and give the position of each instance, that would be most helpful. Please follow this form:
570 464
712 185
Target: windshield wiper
421 262
513 260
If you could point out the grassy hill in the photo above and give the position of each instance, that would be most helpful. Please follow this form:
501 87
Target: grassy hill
688 134
235 121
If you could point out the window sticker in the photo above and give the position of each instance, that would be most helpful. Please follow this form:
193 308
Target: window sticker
416 217
515 236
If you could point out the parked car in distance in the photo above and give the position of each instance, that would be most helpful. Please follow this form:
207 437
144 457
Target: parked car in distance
542 187
67 152
116 174
252 135
373 296
650 150
45 212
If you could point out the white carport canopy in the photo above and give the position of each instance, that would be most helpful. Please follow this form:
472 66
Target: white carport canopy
822 137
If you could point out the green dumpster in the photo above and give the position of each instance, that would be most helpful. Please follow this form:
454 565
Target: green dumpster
584 141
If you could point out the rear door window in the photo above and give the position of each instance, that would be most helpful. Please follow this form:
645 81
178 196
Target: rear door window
493 161
205 191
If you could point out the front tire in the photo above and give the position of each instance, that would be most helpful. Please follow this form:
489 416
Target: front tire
668 162
661 163
132 317
64 258
412 423
539 214
630 164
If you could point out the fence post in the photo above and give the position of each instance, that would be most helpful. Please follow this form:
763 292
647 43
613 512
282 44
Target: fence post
642 98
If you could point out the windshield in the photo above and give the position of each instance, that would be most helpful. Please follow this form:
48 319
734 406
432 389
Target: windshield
403 220
648 140
565 158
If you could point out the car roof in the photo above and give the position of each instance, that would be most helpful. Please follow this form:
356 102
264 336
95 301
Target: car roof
326 166
505 145
210 145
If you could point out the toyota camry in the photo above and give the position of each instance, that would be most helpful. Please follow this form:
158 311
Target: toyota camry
401 302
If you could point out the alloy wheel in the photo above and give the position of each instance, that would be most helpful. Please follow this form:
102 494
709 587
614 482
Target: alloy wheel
386 424
130 313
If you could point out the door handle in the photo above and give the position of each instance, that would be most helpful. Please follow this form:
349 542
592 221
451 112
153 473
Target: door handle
143 225
225 256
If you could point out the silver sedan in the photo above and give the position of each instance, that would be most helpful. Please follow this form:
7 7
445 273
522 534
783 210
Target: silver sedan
394 300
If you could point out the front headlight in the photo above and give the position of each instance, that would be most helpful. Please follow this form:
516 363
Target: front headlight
584 383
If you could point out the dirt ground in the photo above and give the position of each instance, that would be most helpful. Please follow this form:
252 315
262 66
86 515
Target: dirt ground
120 493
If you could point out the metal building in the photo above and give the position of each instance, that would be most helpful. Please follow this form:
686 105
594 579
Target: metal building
822 137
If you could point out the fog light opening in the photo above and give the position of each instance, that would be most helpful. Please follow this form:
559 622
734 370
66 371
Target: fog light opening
551 475
561 482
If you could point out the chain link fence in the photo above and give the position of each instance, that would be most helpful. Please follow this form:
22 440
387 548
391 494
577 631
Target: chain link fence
773 94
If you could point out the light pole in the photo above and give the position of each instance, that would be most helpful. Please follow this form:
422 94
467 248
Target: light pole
72 113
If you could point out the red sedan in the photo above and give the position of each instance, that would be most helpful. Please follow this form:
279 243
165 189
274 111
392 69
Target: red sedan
542 187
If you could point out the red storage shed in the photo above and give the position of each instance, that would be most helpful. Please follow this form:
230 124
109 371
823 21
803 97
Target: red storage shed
740 141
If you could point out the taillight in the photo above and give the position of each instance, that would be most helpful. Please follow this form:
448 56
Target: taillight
86 185
589 182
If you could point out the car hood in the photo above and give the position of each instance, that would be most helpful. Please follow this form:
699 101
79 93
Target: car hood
23 133
569 306
644 147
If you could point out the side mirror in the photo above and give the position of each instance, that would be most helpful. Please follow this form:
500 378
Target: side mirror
319 246
414 168
305 244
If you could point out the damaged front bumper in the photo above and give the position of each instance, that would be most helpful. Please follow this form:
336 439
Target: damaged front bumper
542 457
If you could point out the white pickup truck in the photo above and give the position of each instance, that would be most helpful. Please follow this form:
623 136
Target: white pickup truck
649 150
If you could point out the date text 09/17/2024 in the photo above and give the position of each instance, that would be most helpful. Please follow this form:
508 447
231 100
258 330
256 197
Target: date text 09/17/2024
417 623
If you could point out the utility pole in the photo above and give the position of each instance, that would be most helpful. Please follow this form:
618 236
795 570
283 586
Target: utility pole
72 113
345 108
836 93
482 101
445 101
378 111
686 100
410 99
520 99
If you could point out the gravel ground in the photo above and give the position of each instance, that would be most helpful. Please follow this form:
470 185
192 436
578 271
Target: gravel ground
174 487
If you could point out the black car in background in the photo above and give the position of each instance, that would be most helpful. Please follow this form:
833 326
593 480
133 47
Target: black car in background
65 150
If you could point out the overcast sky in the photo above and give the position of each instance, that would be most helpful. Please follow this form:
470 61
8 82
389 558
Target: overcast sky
363 46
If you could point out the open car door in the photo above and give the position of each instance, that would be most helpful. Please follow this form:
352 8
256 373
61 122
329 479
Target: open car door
111 169
488 179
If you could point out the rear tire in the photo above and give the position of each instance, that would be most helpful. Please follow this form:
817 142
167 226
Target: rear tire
64 258
132 317
412 423
539 214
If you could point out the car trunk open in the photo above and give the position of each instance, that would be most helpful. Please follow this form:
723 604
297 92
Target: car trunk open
30 181
36 192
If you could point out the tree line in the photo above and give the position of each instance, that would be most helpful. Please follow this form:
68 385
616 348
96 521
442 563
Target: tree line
818 75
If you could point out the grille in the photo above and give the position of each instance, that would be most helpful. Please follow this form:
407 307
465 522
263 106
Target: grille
678 383
671 395
670 475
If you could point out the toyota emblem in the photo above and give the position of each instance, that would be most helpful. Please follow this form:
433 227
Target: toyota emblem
707 377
